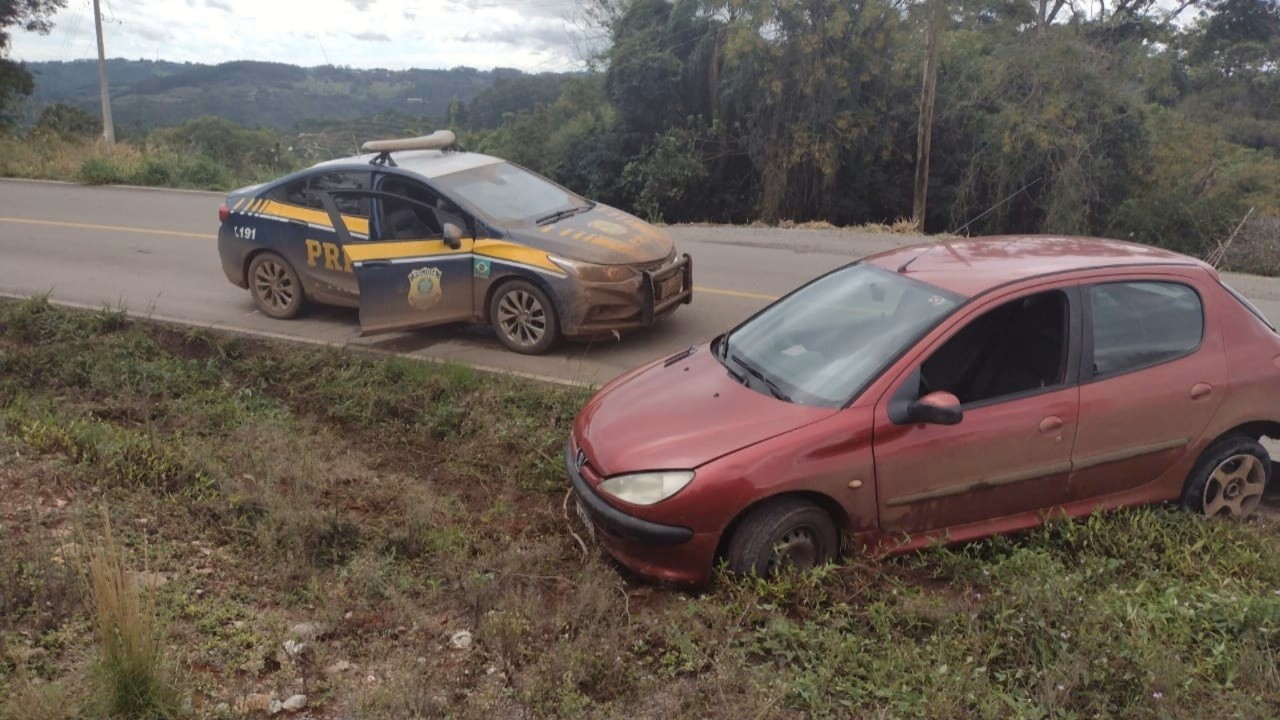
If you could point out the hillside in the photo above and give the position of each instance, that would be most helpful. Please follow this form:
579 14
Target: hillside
149 94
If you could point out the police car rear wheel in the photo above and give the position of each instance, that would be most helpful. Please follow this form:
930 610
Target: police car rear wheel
275 287
524 318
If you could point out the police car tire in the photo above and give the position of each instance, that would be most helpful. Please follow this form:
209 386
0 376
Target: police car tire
525 289
286 274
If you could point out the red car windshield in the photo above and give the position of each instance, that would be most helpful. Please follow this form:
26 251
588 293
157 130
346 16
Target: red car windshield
822 344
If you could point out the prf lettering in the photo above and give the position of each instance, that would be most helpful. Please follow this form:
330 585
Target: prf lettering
334 257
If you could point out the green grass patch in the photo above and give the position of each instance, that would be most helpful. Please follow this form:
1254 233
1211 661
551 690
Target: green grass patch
393 503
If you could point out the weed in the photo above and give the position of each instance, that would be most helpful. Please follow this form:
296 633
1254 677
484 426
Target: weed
130 668
40 701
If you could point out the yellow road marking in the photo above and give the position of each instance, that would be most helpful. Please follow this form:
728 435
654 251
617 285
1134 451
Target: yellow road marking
735 293
175 233
114 228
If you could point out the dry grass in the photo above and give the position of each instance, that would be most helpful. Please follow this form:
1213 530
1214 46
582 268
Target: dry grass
1256 249
130 670
48 157
30 700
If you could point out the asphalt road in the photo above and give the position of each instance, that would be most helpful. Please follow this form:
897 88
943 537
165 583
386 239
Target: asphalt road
154 252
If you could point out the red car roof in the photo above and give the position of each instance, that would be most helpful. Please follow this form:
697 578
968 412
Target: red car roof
972 266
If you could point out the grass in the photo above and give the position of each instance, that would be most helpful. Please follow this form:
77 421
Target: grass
49 157
130 668
394 503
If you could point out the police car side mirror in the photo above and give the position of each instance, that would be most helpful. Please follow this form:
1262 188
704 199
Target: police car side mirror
452 235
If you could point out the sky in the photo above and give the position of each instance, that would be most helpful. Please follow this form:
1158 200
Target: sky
532 35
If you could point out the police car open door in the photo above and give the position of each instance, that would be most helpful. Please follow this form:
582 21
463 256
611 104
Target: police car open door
414 271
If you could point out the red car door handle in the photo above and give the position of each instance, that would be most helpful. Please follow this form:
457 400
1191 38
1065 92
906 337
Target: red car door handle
1051 424
1201 390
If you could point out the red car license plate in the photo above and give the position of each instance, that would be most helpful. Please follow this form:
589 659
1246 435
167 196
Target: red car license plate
585 517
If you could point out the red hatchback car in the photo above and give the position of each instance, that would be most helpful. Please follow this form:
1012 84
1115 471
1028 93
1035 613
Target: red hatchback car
941 392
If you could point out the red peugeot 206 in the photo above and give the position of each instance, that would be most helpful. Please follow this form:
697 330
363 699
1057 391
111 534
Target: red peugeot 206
940 392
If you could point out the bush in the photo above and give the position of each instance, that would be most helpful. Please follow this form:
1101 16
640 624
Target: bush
217 143
202 172
104 170
68 121
156 171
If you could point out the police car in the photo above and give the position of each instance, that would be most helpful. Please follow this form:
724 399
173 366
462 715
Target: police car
417 233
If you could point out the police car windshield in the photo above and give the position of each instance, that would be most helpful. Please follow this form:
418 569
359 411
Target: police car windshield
508 193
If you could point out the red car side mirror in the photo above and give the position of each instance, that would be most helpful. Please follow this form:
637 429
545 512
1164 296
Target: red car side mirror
936 408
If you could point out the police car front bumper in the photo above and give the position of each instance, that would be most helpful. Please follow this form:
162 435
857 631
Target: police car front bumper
639 302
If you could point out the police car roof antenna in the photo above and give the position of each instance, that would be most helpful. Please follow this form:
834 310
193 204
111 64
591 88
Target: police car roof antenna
384 158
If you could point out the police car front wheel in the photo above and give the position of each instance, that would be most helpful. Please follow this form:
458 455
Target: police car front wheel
275 286
524 318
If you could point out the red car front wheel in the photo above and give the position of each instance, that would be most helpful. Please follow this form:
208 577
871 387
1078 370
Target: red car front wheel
788 532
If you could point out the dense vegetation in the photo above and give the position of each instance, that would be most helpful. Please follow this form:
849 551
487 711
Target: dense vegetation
1123 119
265 496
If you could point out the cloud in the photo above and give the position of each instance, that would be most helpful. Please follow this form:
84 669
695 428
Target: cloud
542 36
525 34
533 9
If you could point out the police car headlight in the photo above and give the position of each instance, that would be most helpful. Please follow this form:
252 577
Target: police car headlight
593 272
647 488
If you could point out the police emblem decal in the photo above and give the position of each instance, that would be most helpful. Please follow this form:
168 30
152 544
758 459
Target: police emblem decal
424 288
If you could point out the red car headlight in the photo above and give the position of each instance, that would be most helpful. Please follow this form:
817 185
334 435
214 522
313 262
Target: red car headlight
647 488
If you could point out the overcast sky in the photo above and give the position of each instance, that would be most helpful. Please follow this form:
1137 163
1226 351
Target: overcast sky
536 35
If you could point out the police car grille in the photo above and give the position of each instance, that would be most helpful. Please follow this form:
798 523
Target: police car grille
658 265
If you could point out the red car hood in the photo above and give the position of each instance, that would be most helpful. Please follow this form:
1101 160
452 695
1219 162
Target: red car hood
679 415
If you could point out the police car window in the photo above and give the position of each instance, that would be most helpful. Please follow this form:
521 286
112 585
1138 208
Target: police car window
347 204
507 192
294 193
1136 324
402 220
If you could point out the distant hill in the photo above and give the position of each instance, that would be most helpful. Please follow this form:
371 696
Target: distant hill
147 93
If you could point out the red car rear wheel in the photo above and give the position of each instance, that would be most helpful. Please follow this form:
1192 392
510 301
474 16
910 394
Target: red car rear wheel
1229 479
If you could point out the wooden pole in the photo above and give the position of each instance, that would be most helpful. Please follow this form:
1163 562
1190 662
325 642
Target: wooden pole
924 135
108 127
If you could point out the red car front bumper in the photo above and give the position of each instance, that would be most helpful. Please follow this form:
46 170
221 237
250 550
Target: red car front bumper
667 553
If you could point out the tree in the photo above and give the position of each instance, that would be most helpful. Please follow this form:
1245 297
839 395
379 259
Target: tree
1037 149
68 121
1241 36
16 82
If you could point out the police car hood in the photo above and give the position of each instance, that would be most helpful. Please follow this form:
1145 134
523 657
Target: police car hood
601 235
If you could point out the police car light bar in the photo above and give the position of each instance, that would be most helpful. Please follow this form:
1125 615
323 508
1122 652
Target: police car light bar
438 140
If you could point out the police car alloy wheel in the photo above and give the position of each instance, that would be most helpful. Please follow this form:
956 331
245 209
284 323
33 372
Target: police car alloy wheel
524 318
275 286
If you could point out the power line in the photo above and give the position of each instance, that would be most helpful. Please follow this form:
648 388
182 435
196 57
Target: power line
72 29
322 50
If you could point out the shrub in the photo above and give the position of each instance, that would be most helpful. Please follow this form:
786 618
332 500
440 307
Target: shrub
200 171
104 170
130 665
156 171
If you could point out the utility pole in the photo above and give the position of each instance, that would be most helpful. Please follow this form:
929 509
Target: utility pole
924 134
108 127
